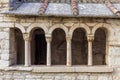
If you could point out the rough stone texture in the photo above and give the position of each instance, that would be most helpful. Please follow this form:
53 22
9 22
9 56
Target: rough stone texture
13 75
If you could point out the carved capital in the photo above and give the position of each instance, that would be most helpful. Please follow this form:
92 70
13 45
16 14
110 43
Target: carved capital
26 37
90 38
68 38
48 38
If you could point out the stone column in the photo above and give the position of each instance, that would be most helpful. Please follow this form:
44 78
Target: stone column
48 40
27 50
90 40
69 57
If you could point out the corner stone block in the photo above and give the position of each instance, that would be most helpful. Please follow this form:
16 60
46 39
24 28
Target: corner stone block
4 63
103 78
116 61
4 44
5 56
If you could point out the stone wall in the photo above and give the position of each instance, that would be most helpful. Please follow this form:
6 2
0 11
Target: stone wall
4 4
24 23
4 46
14 75
113 56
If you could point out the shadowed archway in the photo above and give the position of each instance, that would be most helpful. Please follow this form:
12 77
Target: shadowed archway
79 47
58 47
99 47
38 47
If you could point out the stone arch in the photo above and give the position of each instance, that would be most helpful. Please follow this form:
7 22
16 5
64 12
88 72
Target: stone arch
79 26
99 46
61 26
79 46
106 28
17 45
58 47
38 46
108 31
22 29
34 25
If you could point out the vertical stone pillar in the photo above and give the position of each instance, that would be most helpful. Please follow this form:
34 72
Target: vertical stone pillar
48 40
27 50
69 57
90 40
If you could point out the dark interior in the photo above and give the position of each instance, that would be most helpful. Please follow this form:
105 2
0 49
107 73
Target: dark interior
39 47
19 46
99 47
58 50
79 47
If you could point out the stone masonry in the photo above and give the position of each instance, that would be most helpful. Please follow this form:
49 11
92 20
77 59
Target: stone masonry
9 71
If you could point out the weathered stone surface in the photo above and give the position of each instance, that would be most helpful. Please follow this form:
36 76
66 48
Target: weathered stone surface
4 44
4 35
103 78
4 63
5 56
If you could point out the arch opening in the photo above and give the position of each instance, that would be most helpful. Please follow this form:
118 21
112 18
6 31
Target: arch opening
17 46
79 47
58 47
99 47
38 47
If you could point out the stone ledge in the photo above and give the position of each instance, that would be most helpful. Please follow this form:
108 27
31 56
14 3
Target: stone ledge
62 69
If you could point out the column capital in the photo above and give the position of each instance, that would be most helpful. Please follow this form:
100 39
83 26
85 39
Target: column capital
26 36
68 38
48 38
90 37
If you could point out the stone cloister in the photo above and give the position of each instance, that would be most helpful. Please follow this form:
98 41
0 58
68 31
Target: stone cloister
59 40
78 45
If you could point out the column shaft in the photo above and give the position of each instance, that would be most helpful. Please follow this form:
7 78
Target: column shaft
90 53
27 50
90 40
48 39
69 57
48 54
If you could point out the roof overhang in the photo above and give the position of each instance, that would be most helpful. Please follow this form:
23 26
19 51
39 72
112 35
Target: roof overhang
64 10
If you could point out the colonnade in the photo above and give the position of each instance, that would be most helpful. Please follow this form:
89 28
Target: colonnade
48 40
